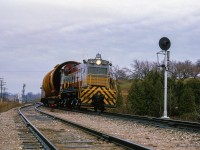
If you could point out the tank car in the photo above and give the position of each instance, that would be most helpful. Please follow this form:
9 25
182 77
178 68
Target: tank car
81 85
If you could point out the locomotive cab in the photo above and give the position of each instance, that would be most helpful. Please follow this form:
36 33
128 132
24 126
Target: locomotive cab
97 80
96 72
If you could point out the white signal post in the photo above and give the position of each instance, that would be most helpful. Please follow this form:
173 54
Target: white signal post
165 44
165 88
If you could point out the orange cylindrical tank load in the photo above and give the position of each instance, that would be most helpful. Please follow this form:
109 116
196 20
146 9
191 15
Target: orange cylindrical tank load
51 82
48 85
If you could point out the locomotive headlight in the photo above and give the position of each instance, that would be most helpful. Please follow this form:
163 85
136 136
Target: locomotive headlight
98 62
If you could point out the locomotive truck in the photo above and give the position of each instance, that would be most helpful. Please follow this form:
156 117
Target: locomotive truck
90 84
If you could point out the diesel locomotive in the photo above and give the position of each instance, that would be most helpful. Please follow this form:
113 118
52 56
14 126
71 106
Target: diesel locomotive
90 84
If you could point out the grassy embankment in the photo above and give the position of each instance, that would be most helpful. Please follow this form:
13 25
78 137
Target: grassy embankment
5 106
125 86
124 106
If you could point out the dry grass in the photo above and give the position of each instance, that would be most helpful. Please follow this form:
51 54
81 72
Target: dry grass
5 106
125 84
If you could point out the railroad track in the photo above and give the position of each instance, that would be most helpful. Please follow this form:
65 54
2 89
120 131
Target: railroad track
29 141
158 122
64 136
31 137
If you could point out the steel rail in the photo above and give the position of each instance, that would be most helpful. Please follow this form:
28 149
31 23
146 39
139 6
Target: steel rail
161 121
153 120
156 121
118 141
41 138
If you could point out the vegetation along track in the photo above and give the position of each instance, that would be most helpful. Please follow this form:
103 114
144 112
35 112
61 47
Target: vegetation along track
64 136
153 136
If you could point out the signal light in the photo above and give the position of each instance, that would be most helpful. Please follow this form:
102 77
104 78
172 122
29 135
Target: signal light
164 43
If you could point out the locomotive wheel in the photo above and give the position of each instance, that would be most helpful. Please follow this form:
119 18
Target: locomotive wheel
95 109
102 108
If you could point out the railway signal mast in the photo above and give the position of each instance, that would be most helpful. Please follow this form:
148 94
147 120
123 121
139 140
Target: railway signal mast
23 93
165 44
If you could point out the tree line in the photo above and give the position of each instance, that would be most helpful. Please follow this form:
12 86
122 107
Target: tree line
146 94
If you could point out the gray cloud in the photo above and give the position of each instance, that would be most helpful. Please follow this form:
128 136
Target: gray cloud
36 35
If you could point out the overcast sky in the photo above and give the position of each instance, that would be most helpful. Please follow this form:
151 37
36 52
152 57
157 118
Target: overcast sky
35 35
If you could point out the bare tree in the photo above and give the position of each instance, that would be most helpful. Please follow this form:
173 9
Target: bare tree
196 69
139 69
142 68
186 69
172 69
119 73
198 63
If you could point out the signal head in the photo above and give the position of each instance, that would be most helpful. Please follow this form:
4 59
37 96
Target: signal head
164 43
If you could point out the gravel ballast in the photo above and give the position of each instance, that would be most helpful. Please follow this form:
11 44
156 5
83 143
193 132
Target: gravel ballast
149 136
9 139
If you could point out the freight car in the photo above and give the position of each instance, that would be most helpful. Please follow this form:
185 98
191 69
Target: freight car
81 85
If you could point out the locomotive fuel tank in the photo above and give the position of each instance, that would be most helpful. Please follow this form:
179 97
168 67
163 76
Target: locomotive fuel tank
51 82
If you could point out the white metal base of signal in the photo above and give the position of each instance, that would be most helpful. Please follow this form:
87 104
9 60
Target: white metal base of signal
165 115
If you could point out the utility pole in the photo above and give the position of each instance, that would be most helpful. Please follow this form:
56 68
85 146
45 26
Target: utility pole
4 93
2 83
165 44
1 86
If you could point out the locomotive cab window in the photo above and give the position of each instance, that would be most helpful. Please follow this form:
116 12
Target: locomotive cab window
97 70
